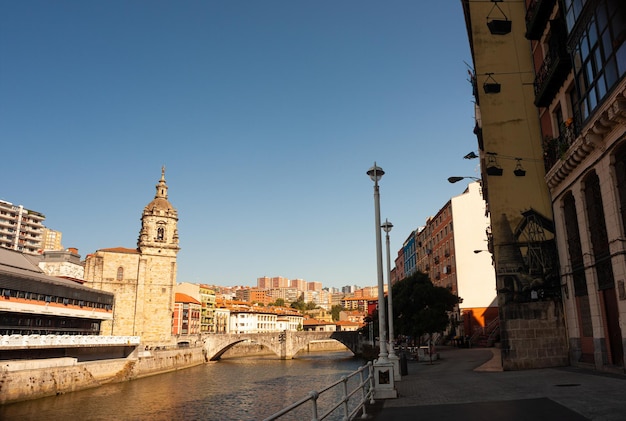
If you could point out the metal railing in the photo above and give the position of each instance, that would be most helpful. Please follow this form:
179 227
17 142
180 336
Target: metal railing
51 341
350 407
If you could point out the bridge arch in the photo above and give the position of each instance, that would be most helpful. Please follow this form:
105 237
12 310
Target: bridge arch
284 344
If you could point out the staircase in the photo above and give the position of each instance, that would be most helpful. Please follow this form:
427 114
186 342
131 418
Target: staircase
487 336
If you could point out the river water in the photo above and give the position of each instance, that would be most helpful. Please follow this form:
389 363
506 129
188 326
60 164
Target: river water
243 388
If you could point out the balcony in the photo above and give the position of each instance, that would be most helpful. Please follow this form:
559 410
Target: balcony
588 137
537 16
554 69
555 149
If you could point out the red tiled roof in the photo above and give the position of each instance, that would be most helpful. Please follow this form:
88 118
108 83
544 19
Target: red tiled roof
347 323
120 250
184 298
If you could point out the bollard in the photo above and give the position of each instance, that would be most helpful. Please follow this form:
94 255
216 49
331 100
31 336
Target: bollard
403 365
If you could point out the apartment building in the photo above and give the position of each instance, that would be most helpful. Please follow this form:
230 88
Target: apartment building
52 239
579 53
314 286
578 63
186 315
206 296
451 248
252 319
254 295
21 229
299 284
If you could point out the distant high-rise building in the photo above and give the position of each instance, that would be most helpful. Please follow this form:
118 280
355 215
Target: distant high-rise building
264 282
52 239
299 284
21 229
280 282
314 286
348 289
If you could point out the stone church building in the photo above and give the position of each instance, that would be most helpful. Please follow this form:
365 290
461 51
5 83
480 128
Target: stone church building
142 279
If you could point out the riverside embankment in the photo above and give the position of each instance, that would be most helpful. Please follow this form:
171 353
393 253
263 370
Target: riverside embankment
22 380
31 379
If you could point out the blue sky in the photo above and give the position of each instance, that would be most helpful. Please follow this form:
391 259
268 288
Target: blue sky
266 114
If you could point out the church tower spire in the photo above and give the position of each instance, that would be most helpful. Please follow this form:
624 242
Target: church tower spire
161 188
159 224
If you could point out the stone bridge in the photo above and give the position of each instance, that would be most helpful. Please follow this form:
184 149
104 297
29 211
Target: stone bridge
285 344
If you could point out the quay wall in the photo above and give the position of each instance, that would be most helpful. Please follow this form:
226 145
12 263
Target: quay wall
58 377
22 380
328 345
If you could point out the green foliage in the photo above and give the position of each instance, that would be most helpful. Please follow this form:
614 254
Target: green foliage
299 305
334 311
311 305
279 302
420 307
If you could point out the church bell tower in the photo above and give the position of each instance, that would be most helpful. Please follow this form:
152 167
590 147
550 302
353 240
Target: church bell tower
159 231
158 248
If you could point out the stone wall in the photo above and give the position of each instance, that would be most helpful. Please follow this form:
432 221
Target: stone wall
55 376
330 345
58 377
533 336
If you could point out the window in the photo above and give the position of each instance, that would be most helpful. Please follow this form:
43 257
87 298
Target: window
120 273
599 53
160 234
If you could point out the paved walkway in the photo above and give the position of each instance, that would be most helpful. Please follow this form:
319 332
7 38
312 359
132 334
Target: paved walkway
469 384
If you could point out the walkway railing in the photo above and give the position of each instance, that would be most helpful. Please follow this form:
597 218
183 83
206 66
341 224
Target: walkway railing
51 341
352 401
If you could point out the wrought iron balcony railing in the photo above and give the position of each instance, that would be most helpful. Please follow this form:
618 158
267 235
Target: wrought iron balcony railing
555 149
555 67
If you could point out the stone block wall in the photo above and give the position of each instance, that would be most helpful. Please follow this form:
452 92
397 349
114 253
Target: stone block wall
52 379
533 336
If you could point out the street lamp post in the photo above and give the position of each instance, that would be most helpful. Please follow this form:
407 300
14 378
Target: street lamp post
384 387
376 174
392 352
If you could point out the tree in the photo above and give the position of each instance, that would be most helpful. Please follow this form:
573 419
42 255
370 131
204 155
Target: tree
335 310
299 305
420 307
279 302
311 305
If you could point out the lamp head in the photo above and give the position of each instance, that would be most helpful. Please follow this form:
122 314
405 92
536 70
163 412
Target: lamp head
454 179
386 226
375 173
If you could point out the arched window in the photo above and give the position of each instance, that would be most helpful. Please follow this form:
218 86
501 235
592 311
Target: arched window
120 273
160 234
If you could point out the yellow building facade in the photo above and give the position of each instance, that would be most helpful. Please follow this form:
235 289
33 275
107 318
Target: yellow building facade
522 236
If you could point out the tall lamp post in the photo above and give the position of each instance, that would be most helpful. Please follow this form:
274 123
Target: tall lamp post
386 226
384 387
376 174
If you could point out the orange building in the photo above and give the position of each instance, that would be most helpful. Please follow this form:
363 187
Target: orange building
186 318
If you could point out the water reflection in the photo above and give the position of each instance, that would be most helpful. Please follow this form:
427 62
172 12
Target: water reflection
248 388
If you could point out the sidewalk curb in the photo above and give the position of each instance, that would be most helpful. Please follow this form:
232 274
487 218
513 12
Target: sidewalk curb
494 364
